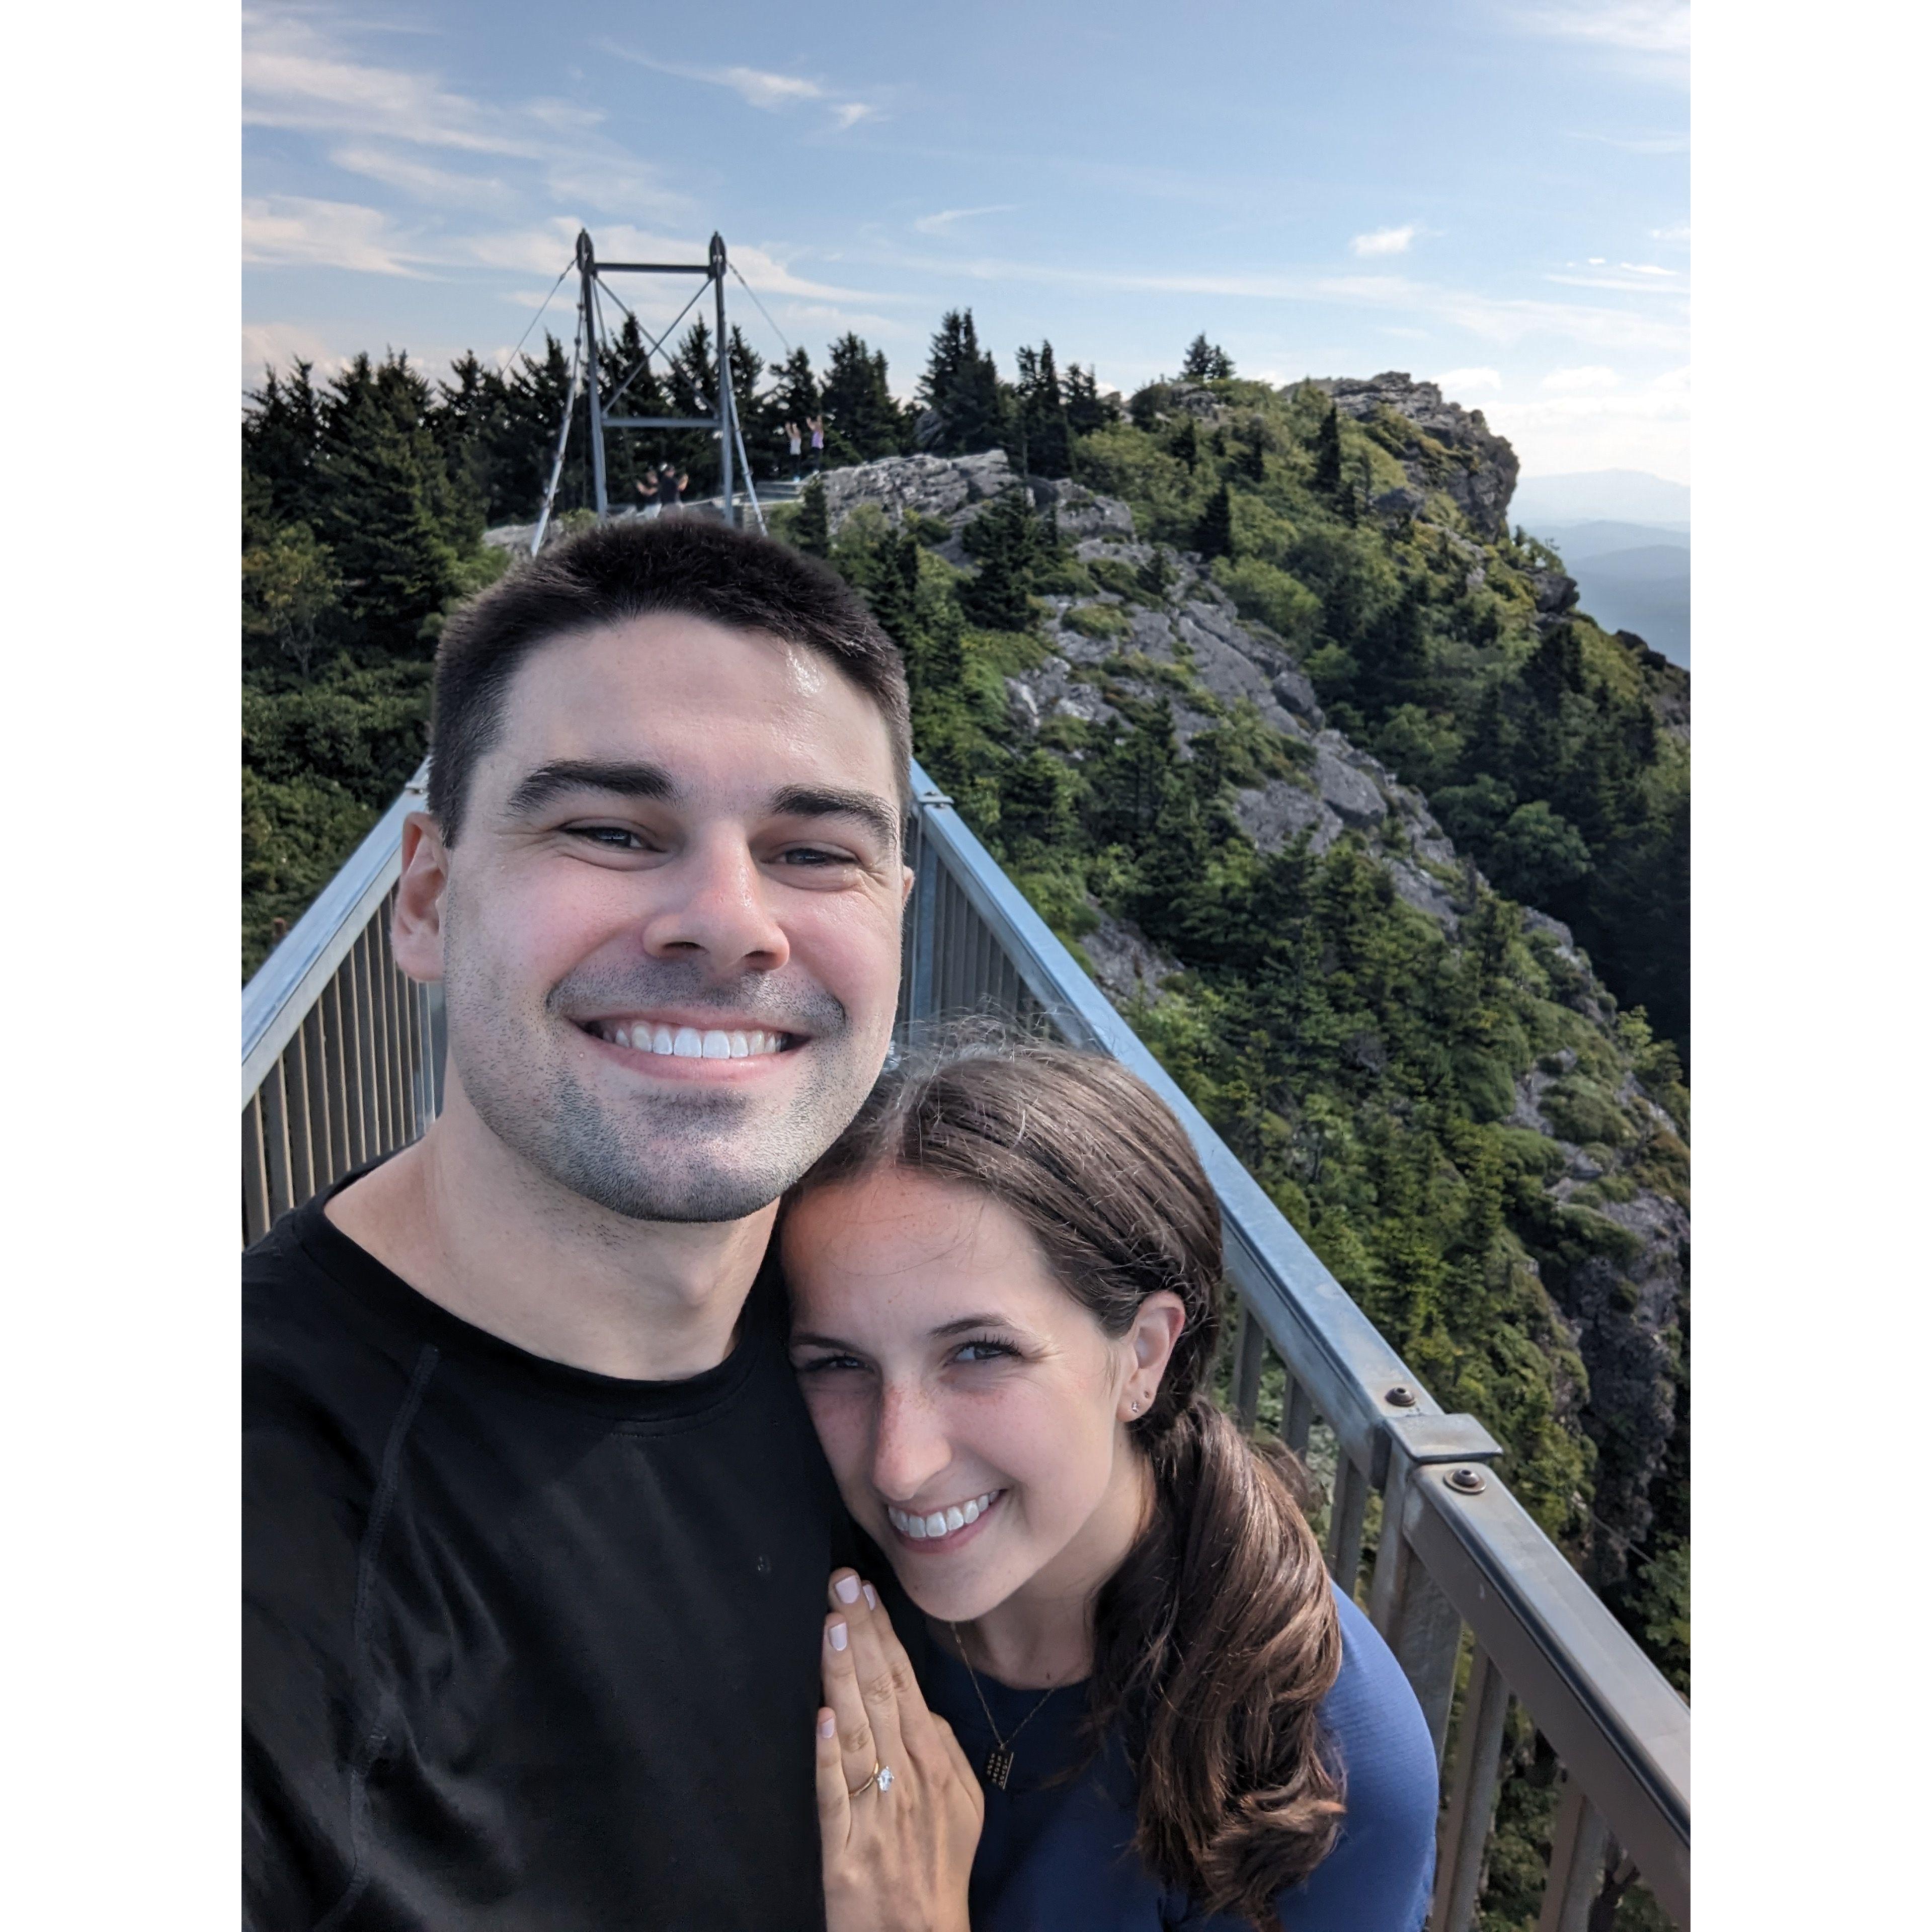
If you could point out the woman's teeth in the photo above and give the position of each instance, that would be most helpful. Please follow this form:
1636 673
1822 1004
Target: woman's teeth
686 1043
942 1523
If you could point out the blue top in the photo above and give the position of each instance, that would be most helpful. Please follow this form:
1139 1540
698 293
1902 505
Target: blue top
1055 1856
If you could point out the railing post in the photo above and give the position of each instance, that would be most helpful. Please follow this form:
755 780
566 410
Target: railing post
1418 1622
1577 1854
1465 1833
1250 1347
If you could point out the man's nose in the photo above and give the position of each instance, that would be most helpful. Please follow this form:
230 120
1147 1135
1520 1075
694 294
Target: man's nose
713 900
911 1446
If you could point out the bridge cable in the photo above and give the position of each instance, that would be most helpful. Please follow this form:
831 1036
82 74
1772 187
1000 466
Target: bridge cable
538 317
761 308
658 345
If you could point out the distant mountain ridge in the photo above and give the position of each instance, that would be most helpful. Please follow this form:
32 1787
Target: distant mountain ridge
1630 577
1630 496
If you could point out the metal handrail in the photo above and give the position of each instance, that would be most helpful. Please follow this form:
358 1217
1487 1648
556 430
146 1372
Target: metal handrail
284 986
1458 1557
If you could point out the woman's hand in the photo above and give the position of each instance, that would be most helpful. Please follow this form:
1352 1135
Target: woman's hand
899 1809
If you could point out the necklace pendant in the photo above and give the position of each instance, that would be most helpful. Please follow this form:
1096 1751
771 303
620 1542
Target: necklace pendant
999 1763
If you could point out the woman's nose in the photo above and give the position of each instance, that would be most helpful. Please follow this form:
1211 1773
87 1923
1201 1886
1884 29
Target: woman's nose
911 1446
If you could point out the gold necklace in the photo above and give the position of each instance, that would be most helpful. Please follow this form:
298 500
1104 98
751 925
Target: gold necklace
1000 1760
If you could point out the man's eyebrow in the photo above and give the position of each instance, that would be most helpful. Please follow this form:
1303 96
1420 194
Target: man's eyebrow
621 779
834 802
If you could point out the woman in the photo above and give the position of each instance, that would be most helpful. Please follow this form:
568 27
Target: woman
1006 1281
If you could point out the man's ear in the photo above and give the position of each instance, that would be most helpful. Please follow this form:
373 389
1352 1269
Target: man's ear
907 875
415 927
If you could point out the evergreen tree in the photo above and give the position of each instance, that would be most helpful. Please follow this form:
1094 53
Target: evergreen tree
1251 456
386 508
1006 540
1214 534
1187 443
960 392
281 438
1206 362
1086 408
861 420
1041 444
1328 456
812 532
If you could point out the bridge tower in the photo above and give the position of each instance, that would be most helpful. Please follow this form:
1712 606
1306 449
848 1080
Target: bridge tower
594 354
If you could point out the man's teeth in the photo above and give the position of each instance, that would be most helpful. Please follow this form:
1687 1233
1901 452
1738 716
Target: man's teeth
941 1523
686 1043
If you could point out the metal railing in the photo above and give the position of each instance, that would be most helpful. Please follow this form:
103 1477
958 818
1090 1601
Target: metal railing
1479 1606
341 1055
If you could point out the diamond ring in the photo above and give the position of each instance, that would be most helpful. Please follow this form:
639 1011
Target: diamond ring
882 1776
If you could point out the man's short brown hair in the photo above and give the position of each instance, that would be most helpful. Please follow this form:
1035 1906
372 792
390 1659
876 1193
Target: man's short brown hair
616 571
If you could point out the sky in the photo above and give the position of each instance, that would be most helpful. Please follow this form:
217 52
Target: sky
1493 194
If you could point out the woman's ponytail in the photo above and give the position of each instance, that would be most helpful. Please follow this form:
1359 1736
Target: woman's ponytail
1214 1645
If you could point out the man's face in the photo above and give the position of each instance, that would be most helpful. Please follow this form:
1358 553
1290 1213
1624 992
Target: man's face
669 936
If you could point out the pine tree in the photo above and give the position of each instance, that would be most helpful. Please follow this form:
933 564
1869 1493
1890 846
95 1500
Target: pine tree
1328 456
812 532
1087 409
960 391
281 438
386 508
861 421
1214 534
1206 362
1006 538
1187 443
1042 444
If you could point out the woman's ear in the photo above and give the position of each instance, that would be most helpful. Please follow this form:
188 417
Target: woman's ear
1158 1322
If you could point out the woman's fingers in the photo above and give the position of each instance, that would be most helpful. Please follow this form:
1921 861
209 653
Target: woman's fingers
835 1807
881 1684
857 1746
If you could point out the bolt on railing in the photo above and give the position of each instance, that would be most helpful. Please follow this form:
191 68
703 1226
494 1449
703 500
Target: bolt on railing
342 1061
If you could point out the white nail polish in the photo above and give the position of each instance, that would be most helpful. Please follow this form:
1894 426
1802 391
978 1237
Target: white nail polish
871 1597
838 1636
847 1589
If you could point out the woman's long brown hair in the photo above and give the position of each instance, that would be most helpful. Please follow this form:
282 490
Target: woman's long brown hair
1216 1641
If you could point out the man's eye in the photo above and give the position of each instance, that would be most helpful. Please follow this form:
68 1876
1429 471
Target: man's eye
814 855
613 838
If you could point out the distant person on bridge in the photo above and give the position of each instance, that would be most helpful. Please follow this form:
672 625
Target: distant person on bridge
539 1539
671 482
647 489
816 426
794 443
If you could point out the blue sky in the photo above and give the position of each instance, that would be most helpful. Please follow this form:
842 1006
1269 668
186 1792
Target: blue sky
1493 194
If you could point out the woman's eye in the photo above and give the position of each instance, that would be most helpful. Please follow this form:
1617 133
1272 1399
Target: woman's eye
985 1351
817 1364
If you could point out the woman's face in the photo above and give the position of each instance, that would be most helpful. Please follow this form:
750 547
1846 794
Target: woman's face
973 1413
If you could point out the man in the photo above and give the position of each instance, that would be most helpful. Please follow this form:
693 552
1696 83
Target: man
538 1534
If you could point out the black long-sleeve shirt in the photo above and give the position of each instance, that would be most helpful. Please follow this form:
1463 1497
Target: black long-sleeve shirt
523 1646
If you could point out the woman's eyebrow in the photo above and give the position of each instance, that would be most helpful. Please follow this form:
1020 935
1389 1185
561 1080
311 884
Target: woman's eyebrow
966 1322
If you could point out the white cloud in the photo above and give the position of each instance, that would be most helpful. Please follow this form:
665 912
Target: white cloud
1645 268
938 224
280 346
1635 26
1682 232
441 187
1641 426
763 90
760 87
1454 382
1384 241
1590 376
291 231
